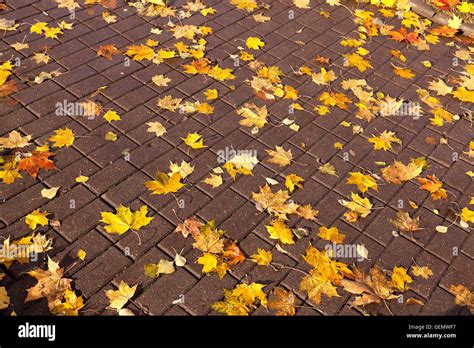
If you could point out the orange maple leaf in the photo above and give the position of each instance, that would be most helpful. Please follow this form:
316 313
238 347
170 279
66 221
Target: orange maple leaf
108 51
433 186
445 4
444 31
403 35
38 160
233 254
198 66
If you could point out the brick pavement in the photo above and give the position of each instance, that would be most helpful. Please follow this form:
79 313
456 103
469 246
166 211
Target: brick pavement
116 179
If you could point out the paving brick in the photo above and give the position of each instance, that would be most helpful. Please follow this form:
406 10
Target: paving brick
167 290
137 244
219 211
399 253
440 303
207 291
100 271
135 273
82 221
127 190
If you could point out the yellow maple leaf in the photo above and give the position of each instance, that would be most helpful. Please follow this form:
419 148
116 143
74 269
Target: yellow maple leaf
209 239
254 43
316 284
62 137
204 108
329 169
38 27
262 257
358 207
246 56
332 234
356 60
292 181
455 22
397 172
467 215
110 116
253 116
208 262
9 173
184 169
425 272
169 103
247 5
301 3
405 73
242 299
52 33
194 140
36 218
165 54
363 181
118 298
400 278
140 52
124 219
69 305
164 183
211 94
321 110
220 74
440 87
278 230
280 156
464 95
384 140
335 99
324 77
213 180
160 80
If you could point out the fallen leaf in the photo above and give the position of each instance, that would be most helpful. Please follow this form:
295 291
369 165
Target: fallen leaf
49 193
283 302
118 298
124 220
36 218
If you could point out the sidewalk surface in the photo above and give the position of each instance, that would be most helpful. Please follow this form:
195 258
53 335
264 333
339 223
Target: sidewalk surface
118 169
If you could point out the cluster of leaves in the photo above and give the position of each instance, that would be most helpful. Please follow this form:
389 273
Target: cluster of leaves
242 299
218 253
52 285
16 158
269 85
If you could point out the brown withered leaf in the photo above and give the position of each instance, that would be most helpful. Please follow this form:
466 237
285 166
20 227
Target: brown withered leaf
321 60
51 284
108 51
464 297
405 223
283 302
191 226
